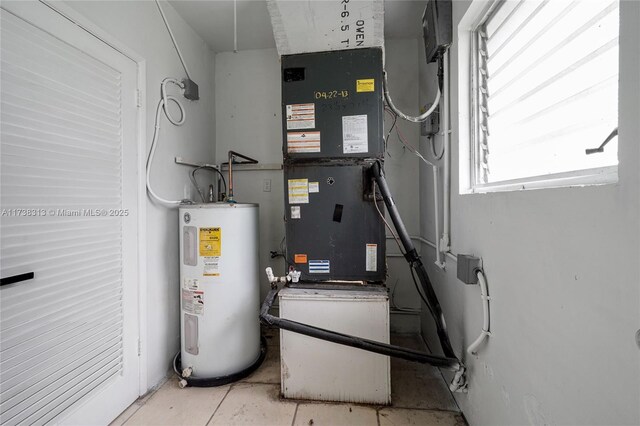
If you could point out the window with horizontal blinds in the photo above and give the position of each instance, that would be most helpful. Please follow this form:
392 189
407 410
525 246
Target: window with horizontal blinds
61 333
546 88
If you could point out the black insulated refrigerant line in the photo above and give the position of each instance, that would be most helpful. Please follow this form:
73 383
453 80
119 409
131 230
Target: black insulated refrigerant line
415 261
352 341
449 361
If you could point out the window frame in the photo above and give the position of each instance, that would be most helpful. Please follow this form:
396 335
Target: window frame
574 178
474 100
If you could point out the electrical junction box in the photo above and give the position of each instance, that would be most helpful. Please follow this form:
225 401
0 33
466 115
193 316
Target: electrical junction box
437 28
332 105
430 126
468 267
333 230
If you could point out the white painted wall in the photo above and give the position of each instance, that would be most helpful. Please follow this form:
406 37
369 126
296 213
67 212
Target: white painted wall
248 120
402 172
247 86
562 267
138 25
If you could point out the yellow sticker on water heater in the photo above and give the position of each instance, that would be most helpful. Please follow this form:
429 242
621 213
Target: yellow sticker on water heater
210 241
366 85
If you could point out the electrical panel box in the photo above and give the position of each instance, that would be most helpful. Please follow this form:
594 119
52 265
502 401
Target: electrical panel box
437 28
333 230
332 105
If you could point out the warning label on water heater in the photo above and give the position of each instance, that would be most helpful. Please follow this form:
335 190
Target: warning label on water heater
354 134
301 116
193 302
210 241
190 284
211 266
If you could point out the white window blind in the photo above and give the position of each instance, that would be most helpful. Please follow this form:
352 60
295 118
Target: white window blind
546 88
61 150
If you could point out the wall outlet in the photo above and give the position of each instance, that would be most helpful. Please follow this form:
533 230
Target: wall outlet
266 185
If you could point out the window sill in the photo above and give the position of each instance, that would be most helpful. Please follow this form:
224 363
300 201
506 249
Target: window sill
580 178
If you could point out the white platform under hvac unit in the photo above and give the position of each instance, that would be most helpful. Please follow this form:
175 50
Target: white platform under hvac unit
318 26
319 370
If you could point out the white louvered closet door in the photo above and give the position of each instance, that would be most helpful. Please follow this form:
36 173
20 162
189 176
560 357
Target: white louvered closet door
69 194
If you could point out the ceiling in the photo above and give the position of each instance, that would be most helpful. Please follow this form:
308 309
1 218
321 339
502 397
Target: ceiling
213 21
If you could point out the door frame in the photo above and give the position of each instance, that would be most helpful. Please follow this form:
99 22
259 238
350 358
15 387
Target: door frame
87 25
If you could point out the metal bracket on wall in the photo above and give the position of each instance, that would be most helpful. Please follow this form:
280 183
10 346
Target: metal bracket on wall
180 160
250 167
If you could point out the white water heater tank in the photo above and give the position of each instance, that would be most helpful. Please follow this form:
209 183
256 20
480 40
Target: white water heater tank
219 288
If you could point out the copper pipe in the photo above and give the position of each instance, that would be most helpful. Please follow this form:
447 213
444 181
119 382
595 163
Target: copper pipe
232 156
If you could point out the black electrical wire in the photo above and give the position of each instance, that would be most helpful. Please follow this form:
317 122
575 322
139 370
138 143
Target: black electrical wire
441 86
195 183
192 176
395 120
206 382
224 181
440 72
281 253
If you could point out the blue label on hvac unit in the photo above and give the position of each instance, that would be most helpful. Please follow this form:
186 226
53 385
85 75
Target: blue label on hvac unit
318 266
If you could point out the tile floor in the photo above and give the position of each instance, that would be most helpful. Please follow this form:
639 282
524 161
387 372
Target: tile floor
419 394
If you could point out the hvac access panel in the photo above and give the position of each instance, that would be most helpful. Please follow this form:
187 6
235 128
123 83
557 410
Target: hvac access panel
333 230
332 105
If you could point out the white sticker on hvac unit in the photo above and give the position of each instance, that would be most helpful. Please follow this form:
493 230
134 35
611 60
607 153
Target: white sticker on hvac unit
211 266
193 302
314 187
295 212
319 267
354 134
303 142
301 116
298 191
372 257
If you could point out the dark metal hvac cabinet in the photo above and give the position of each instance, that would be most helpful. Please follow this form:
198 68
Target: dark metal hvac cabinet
332 105
333 232
332 109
